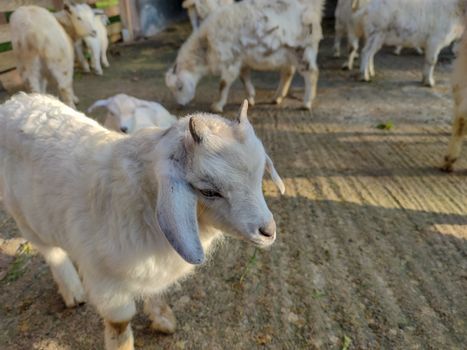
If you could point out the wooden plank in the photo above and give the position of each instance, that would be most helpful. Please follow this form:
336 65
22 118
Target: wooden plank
2 18
114 28
7 61
11 5
5 35
128 16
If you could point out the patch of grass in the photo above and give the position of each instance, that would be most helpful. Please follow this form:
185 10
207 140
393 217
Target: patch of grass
18 267
250 263
317 294
346 342
385 126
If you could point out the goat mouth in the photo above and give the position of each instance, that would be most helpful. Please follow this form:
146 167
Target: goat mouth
261 241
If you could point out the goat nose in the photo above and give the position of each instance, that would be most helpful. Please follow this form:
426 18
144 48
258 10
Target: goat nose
124 129
268 230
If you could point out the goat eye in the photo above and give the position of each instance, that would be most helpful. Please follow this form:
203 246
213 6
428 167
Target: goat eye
210 194
79 18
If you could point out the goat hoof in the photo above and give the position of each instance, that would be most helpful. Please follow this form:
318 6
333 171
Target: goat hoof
448 165
251 101
165 322
428 83
307 106
365 79
72 301
278 100
216 108
98 72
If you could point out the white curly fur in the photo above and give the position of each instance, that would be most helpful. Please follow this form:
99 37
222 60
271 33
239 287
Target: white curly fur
43 51
258 34
428 24
133 212
129 114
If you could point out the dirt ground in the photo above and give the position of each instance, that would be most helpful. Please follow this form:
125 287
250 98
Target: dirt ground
372 238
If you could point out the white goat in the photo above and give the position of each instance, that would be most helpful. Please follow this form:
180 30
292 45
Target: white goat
347 24
459 89
43 50
350 25
428 24
98 44
135 213
79 22
258 34
129 114
198 10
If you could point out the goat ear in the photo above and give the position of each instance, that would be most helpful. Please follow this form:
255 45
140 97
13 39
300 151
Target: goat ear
97 104
176 214
274 175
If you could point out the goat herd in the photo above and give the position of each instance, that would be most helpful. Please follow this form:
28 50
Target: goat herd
136 212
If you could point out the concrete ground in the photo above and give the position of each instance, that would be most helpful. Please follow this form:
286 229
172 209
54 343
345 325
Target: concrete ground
372 237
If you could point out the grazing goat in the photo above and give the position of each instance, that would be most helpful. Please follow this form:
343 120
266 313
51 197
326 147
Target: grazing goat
129 114
427 24
198 10
134 212
459 90
257 34
43 49
80 22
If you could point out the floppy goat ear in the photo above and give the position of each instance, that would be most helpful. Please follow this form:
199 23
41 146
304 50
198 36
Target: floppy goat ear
97 104
274 175
176 214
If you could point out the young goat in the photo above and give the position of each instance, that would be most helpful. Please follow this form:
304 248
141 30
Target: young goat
459 90
43 49
135 213
99 44
427 24
349 24
198 10
81 25
129 114
258 34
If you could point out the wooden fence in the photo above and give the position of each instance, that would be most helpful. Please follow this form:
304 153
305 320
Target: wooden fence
8 75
